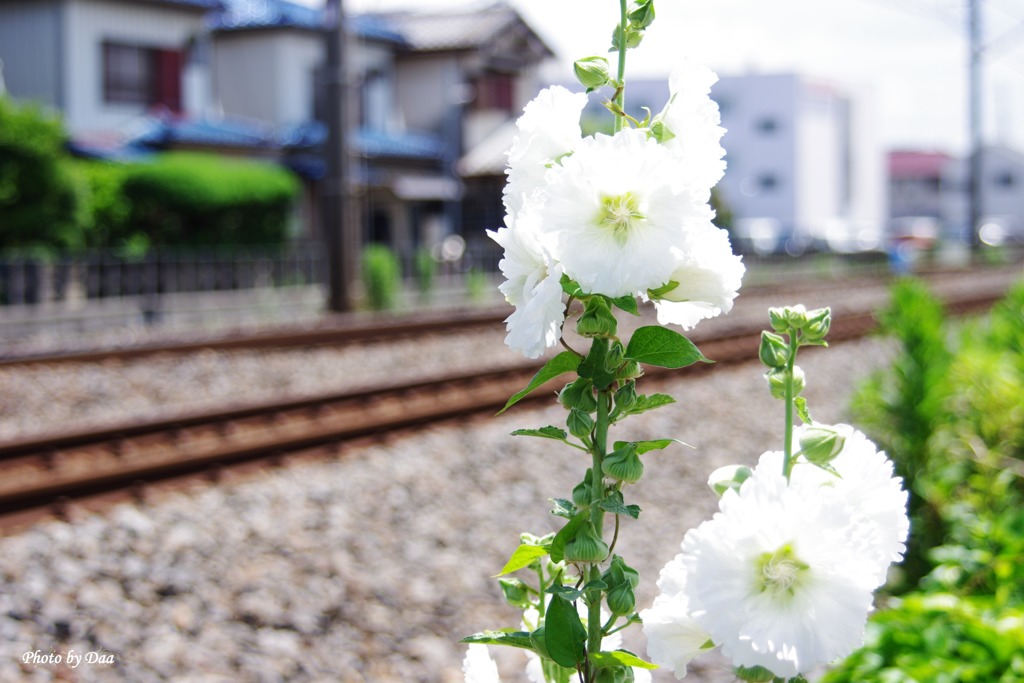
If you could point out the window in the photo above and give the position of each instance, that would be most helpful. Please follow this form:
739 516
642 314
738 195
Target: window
1005 180
495 91
134 74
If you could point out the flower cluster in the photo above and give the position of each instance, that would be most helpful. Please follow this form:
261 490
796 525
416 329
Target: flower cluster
623 215
782 576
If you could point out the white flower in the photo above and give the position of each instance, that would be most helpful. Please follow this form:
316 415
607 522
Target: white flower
533 285
478 667
692 117
780 577
866 483
674 638
616 213
709 277
548 129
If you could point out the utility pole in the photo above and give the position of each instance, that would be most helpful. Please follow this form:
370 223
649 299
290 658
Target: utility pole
337 230
975 200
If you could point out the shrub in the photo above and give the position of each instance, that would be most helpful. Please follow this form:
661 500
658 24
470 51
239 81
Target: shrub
107 214
186 198
40 201
426 269
382 277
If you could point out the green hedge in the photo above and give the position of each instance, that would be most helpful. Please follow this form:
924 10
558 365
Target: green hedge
186 198
40 200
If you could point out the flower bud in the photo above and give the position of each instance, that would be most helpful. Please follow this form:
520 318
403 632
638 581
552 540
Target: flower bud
516 593
615 674
818 323
630 370
774 351
586 546
796 316
616 356
625 397
592 72
777 382
581 492
579 423
597 320
622 599
579 394
820 444
624 465
778 318
728 477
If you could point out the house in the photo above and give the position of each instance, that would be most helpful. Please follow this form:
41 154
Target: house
1001 197
426 90
915 183
804 169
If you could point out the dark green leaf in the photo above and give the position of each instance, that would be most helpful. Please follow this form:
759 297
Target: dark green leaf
523 557
548 432
626 303
510 638
663 348
567 592
566 534
619 658
615 505
559 365
645 403
595 367
564 635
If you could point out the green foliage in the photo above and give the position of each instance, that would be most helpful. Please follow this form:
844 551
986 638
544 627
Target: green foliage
40 200
958 398
939 638
425 270
187 198
382 277
107 214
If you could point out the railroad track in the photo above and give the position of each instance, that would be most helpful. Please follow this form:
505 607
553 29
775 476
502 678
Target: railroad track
42 476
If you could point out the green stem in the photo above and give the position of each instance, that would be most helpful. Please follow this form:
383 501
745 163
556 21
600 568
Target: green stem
620 98
790 397
600 449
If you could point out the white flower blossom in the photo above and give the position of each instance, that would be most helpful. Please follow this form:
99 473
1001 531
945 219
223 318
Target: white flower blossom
780 578
548 129
616 213
709 276
478 667
865 482
674 638
533 285
693 119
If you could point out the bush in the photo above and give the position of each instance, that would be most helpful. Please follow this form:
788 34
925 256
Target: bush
958 397
382 277
185 198
40 201
107 214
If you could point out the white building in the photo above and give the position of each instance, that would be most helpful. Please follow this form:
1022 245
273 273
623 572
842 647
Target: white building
1002 197
804 168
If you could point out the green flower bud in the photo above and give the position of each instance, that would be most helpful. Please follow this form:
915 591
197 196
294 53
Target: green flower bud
661 132
586 546
796 316
621 599
774 351
618 572
616 355
778 318
597 320
625 397
728 477
820 445
615 674
623 465
581 492
592 72
516 593
754 674
777 382
579 423
630 370
641 14
818 323
579 394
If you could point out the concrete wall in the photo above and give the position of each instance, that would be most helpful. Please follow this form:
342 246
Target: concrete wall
30 48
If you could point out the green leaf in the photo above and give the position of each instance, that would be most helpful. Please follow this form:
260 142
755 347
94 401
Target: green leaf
559 365
564 508
662 347
571 287
616 505
801 409
523 557
626 303
595 367
647 446
548 432
603 660
566 534
645 403
509 637
566 592
564 635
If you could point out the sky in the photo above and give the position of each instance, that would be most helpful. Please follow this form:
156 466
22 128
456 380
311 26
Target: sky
907 58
